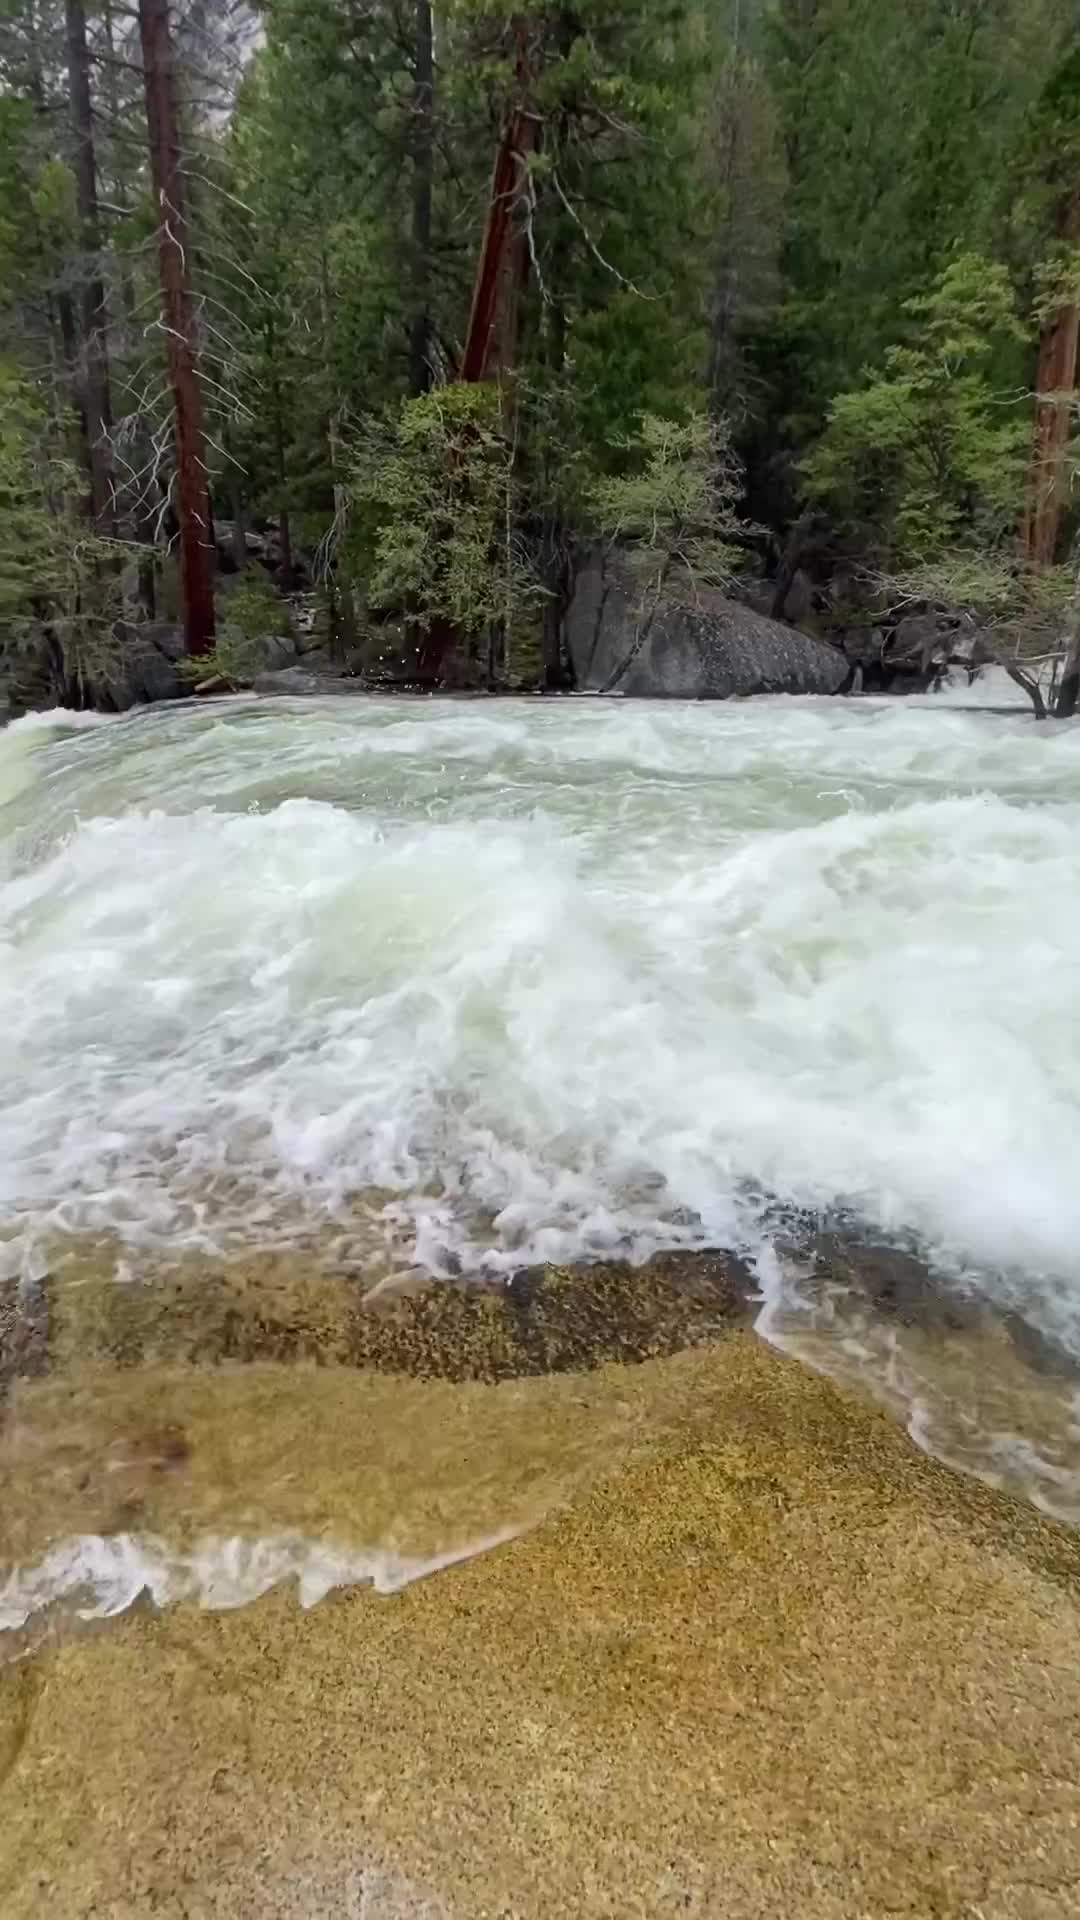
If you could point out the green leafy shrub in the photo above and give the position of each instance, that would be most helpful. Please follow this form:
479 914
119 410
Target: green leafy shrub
60 594
250 616
433 492
929 453
253 609
677 502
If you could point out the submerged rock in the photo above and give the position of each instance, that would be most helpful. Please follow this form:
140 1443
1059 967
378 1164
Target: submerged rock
689 645
765 1660
283 1308
306 682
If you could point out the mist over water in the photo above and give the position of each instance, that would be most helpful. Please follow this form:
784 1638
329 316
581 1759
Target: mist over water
552 979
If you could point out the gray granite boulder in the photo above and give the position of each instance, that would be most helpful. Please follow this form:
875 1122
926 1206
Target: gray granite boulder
686 645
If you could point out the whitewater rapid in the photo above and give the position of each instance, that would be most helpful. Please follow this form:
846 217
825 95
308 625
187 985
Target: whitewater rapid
556 980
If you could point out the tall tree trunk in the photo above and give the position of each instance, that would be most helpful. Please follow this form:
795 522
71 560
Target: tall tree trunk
423 163
1055 389
494 321
174 258
339 591
491 343
69 345
94 357
286 573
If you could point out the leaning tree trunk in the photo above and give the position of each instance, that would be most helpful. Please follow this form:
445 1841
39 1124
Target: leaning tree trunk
174 262
492 340
1055 389
93 357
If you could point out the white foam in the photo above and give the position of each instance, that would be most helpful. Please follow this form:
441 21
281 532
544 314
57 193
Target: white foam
18 737
55 719
100 1576
990 687
566 978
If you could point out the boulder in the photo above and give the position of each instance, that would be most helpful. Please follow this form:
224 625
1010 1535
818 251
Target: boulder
279 651
300 681
692 645
149 666
236 546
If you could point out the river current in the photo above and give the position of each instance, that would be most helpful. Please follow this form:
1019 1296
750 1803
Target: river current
559 980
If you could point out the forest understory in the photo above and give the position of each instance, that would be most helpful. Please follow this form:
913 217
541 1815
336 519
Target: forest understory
635 346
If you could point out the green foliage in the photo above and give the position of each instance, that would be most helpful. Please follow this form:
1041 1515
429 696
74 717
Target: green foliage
235 657
1023 614
249 617
1048 152
677 502
59 597
902 120
929 452
253 609
615 307
433 492
33 558
778 210
1057 283
1023 607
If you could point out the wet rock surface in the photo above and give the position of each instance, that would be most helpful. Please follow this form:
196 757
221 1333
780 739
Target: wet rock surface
752 1653
772 1661
285 1309
902 1287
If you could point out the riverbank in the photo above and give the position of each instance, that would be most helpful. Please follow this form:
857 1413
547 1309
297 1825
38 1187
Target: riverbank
762 1658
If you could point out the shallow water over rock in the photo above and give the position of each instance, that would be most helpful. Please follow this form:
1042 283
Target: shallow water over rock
771 1662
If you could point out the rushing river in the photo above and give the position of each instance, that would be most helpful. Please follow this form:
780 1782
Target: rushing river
556 980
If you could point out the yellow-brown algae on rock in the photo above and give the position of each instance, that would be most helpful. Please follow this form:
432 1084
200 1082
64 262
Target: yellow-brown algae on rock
254 1400
773 1662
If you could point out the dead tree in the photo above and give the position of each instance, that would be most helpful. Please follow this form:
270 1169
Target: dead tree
178 322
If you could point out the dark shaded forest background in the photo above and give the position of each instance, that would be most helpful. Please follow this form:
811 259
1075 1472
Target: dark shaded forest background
397 308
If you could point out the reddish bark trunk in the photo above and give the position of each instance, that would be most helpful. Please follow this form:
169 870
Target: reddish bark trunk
495 320
174 255
1055 388
491 344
